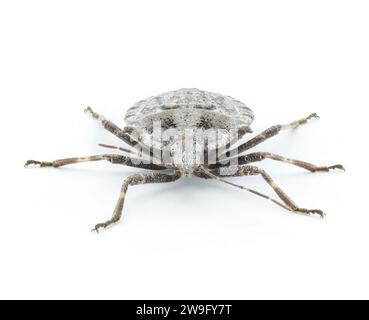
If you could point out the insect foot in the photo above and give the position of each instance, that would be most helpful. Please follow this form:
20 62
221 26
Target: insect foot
103 225
337 166
311 212
313 116
89 110
98 227
308 118
93 113
37 163
300 122
326 169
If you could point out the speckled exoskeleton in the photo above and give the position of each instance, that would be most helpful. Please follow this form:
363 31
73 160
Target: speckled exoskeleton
187 110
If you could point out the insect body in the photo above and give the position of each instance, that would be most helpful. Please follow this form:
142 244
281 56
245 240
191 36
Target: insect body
190 132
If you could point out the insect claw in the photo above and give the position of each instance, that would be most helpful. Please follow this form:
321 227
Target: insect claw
337 166
95 230
88 109
313 115
99 226
31 162
38 163
93 114
308 212
319 213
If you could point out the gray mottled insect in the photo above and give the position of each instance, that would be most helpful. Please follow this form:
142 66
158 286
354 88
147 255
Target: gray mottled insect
187 111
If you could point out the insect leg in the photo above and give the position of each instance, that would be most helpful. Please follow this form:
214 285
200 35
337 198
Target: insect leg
125 134
133 180
259 156
112 128
113 158
251 170
270 132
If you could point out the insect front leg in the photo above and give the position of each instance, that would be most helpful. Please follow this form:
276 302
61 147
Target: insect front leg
133 180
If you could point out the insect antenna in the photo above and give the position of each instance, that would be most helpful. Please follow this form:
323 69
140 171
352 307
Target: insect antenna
211 175
114 147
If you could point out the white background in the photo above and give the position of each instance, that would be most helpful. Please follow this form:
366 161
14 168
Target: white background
193 238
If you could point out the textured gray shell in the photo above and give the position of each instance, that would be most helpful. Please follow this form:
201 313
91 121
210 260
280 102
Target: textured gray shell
186 108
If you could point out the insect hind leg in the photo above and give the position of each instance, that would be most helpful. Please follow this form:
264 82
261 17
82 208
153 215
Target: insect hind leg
271 132
289 204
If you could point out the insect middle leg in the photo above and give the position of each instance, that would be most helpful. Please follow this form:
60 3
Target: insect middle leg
252 170
259 156
271 132
136 179
113 158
